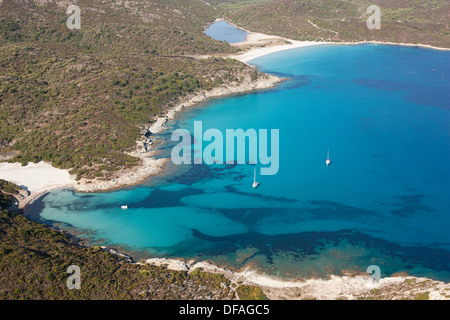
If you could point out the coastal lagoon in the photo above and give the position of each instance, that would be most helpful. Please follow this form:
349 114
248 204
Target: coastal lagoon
224 31
382 111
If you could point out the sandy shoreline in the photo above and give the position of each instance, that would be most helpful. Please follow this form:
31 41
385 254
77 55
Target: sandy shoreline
258 52
294 44
35 179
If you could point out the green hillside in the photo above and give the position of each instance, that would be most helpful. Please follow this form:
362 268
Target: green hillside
406 21
76 98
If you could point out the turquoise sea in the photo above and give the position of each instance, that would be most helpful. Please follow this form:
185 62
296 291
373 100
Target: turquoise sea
382 111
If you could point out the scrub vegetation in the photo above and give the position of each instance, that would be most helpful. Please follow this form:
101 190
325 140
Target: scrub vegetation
78 98
402 21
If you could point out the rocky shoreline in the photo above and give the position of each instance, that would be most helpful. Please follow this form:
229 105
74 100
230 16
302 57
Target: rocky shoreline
347 287
149 165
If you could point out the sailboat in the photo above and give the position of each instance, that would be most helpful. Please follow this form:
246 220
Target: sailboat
328 158
255 184
124 207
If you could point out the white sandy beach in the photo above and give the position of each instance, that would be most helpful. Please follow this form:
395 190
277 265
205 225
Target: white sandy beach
258 44
37 178
262 51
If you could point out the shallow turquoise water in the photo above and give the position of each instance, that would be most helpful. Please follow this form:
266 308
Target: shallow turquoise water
384 113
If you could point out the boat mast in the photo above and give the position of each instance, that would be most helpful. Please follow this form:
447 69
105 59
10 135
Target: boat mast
328 158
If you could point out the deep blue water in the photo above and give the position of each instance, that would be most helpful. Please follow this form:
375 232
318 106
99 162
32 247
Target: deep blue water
384 113
224 31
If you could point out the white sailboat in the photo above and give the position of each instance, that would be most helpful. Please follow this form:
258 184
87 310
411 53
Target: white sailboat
125 207
328 158
255 184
